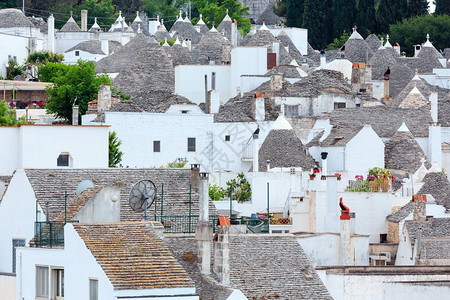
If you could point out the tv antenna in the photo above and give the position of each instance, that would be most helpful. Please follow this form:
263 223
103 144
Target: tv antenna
142 196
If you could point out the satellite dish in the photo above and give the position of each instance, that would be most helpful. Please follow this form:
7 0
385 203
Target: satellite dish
85 184
142 196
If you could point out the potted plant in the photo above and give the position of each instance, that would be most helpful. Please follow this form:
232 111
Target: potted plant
312 176
338 175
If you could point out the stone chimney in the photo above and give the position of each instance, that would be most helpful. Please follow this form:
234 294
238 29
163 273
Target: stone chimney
104 98
344 244
195 173
84 19
51 34
203 231
222 251
276 82
420 208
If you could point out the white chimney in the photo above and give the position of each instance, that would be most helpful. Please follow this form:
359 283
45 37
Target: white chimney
234 34
260 110
344 233
434 106
324 156
51 34
105 46
75 112
214 102
203 231
332 205
323 59
256 152
84 20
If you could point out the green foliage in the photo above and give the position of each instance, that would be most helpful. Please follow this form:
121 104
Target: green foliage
214 11
240 188
115 155
280 8
417 7
71 82
344 16
170 42
39 58
13 69
166 9
8 116
103 10
318 19
338 43
413 31
177 164
442 7
294 13
365 17
390 12
217 193
9 4
120 94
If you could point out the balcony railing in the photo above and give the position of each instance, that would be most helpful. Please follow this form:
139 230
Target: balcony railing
247 150
376 186
183 224
281 221
49 233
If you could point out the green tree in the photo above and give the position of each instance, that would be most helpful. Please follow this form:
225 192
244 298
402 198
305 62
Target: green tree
417 7
177 163
13 69
216 193
442 7
9 4
344 16
318 19
280 8
165 9
71 82
294 13
215 11
338 42
103 10
8 116
240 188
39 58
115 155
413 31
365 17
390 12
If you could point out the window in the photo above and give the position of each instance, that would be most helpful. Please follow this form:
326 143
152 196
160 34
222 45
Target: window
339 105
291 110
358 104
191 144
9 58
93 289
77 53
156 146
383 238
41 281
63 160
16 243
271 60
58 283
227 138
184 111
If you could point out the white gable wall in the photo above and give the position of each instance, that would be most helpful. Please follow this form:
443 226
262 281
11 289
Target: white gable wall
80 267
17 217
71 58
15 46
364 151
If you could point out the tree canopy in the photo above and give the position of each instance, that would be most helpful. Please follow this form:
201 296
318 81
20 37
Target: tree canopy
8 116
318 19
71 82
115 155
413 31
442 7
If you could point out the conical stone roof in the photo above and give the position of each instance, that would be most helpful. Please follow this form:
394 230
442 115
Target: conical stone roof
225 27
264 38
373 42
424 88
283 148
287 42
211 48
356 49
122 58
70 26
436 184
180 55
402 152
414 100
11 17
201 24
152 69
185 30
269 17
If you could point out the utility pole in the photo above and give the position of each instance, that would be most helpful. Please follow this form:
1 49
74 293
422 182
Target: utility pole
23 6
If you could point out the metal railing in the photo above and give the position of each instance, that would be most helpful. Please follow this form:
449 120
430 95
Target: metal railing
247 150
49 233
183 224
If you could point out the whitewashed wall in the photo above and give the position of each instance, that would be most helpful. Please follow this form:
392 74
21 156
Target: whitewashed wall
415 291
27 260
17 217
71 58
370 286
8 286
371 210
364 151
13 45
9 158
190 81
246 61
299 37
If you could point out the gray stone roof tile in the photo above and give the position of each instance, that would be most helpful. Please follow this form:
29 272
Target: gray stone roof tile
39 23
185 30
93 47
211 47
357 51
402 213
287 42
11 17
49 186
269 17
432 228
70 26
180 55
339 136
373 42
436 184
424 88
318 82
